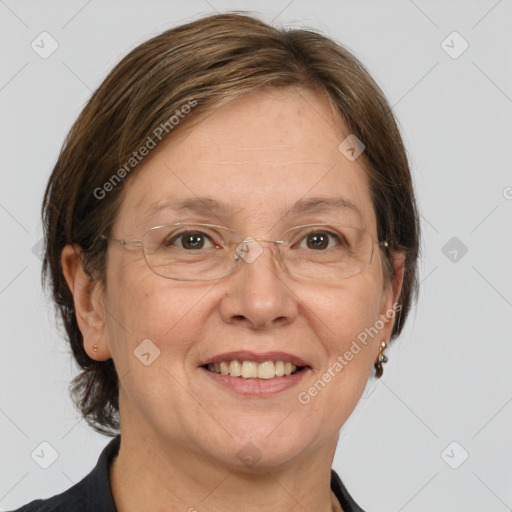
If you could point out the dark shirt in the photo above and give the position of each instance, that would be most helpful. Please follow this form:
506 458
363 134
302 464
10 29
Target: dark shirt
93 493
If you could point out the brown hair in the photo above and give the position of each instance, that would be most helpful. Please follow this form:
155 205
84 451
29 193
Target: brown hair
206 63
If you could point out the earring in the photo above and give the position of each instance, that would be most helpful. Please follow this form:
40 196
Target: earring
95 348
380 360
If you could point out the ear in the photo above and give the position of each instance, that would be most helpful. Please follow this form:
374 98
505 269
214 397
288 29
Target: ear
87 296
391 294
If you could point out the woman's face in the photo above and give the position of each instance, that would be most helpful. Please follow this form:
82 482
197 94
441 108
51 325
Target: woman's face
258 156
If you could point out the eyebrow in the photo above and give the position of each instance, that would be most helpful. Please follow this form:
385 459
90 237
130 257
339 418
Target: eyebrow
208 205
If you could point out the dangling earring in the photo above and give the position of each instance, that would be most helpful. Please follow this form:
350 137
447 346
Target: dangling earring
380 360
95 348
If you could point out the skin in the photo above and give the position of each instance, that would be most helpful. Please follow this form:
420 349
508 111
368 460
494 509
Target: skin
180 431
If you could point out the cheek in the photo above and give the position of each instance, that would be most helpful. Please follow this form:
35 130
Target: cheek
343 322
348 309
346 322
143 306
337 387
152 328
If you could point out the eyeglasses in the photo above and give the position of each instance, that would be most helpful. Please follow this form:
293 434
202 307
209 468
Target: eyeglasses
203 252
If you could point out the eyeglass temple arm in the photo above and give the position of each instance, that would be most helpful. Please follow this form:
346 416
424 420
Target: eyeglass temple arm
124 243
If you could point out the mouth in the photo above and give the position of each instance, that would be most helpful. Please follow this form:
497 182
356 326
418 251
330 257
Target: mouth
249 366
249 384
253 370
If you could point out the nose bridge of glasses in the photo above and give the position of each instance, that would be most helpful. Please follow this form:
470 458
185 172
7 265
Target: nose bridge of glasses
253 239
251 248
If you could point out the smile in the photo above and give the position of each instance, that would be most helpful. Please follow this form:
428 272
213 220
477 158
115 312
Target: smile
253 370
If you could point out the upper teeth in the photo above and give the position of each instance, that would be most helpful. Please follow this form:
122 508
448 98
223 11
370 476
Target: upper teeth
251 369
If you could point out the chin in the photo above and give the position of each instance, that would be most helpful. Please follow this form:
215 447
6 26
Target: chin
263 449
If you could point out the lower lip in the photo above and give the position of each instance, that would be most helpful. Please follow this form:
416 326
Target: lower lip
257 387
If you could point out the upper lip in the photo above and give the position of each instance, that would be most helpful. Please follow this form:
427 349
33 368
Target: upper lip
247 355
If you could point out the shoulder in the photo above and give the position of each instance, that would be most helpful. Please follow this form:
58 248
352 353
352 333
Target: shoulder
74 499
91 494
60 503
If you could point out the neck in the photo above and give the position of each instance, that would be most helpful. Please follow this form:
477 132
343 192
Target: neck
149 475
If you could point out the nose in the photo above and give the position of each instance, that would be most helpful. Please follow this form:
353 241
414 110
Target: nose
259 293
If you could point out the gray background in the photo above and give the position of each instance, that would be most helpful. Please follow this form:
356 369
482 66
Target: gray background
448 376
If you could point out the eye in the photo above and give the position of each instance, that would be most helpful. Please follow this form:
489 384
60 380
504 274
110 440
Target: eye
319 240
190 240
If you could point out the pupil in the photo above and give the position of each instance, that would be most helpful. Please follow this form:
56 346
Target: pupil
194 241
318 241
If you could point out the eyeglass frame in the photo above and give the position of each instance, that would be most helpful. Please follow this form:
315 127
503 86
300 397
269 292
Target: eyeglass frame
247 239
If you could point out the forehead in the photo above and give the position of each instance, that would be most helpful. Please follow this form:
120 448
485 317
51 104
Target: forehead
265 158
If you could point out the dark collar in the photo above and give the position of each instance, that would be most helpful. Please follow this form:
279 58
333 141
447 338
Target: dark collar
346 501
93 493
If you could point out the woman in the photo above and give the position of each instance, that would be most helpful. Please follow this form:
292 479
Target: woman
231 229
